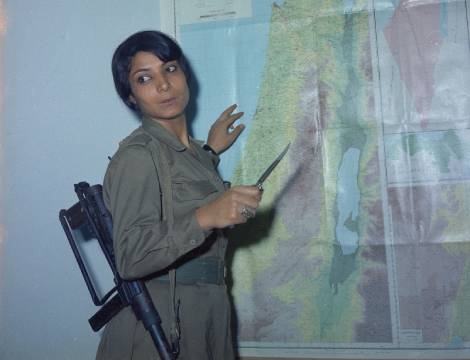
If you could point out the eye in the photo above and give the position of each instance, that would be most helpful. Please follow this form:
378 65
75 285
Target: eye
142 79
171 68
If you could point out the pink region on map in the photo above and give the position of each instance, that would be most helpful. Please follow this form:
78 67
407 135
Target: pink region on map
414 38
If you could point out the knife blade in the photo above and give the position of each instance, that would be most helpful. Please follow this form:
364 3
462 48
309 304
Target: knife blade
269 170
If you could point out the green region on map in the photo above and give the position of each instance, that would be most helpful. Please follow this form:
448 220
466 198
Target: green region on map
316 93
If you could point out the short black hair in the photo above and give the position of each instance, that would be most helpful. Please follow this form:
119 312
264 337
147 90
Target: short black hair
155 42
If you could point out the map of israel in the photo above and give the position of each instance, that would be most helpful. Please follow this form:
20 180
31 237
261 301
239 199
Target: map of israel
361 244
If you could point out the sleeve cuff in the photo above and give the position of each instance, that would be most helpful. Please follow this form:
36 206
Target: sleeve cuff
214 156
197 234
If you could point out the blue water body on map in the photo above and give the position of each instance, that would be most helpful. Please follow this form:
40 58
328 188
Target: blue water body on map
347 201
228 59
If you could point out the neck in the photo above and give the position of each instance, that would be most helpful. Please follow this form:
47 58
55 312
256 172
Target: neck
177 127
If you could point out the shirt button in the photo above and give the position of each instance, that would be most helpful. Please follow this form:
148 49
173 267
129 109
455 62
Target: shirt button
192 242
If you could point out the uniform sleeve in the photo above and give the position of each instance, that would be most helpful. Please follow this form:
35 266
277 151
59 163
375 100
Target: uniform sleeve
143 242
215 159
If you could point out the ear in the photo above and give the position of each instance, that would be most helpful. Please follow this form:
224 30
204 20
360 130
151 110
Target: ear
132 104
131 99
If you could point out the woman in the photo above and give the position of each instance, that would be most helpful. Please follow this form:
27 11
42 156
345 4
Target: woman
169 208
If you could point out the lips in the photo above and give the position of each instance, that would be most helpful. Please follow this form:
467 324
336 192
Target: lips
168 101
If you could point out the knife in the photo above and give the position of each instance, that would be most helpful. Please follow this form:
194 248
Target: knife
269 170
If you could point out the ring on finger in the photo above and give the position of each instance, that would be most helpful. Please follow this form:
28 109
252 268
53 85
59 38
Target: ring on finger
246 213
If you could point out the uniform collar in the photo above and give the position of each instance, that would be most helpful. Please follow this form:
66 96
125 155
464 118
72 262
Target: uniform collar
160 133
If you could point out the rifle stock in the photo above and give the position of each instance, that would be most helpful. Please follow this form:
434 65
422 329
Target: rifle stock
91 212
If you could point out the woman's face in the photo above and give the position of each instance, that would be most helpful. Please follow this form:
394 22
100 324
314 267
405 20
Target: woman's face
159 89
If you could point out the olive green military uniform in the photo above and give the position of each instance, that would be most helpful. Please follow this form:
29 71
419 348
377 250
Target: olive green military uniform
152 188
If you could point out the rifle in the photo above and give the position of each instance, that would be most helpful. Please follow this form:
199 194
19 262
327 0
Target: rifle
91 214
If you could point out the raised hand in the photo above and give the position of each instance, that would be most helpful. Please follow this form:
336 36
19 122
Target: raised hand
222 133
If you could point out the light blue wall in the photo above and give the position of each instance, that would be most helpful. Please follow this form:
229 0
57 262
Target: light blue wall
61 119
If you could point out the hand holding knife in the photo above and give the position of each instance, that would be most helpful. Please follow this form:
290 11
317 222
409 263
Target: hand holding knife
259 184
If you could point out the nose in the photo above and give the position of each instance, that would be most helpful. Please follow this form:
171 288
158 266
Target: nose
162 84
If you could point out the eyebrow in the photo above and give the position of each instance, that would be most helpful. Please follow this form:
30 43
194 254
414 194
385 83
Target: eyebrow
139 70
143 69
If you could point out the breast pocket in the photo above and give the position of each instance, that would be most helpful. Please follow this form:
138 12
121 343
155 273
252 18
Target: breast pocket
193 190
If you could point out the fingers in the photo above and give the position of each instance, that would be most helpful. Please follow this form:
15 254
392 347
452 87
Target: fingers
234 206
247 196
235 133
247 212
230 118
227 111
244 200
223 132
246 189
234 117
